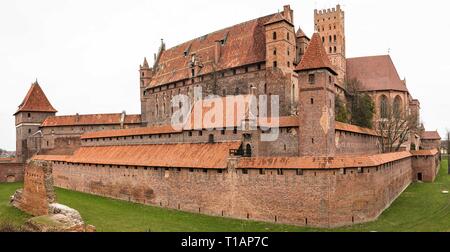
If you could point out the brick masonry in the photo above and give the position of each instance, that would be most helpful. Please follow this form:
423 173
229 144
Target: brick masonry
11 172
37 192
314 197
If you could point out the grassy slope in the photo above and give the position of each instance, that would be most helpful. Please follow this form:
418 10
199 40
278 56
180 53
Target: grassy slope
421 208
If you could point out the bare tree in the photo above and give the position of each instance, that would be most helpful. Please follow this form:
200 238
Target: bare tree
395 127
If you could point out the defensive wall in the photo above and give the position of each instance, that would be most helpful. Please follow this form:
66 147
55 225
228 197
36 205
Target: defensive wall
304 191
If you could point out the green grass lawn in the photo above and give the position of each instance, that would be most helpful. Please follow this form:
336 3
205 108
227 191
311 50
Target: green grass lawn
421 208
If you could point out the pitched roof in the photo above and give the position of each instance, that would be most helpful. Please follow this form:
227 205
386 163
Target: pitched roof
244 44
278 18
430 135
214 156
432 152
315 56
376 73
96 119
355 129
166 129
321 163
35 101
300 33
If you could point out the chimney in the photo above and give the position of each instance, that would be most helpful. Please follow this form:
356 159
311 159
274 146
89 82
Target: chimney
122 119
77 117
288 13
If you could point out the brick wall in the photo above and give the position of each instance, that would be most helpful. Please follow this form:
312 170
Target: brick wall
11 172
322 198
349 143
425 168
37 192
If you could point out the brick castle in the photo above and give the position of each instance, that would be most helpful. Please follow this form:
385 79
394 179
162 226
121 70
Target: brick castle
318 172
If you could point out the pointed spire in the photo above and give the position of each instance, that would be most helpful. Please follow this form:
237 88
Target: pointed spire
145 65
36 101
300 33
315 56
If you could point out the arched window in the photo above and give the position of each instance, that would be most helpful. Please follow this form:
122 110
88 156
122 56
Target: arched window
398 106
383 107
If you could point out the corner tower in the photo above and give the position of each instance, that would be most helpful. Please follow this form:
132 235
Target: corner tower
30 115
280 41
316 78
330 24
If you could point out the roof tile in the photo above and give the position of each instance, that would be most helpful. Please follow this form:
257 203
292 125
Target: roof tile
315 56
35 101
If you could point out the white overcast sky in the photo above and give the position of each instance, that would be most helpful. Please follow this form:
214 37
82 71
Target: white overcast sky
86 54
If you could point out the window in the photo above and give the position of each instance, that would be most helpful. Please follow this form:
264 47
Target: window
211 138
192 72
289 64
235 130
223 132
275 51
331 49
29 131
200 133
397 106
384 107
329 38
330 79
190 133
288 36
312 101
265 88
244 171
29 115
335 38
323 39
335 49
279 171
311 79
262 171
274 35
275 64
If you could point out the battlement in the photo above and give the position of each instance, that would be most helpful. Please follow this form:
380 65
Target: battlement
337 9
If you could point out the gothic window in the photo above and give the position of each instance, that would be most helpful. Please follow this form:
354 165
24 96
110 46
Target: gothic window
274 35
335 38
329 38
331 49
383 106
397 106
335 49
311 79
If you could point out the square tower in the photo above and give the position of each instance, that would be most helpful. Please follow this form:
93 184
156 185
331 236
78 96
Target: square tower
281 41
330 24
32 112
316 78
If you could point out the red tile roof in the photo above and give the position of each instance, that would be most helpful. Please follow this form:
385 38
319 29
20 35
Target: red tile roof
35 101
166 129
376 73
213 156
432 152
300 33
315 56
244 44
278 18
96 119
6 160
321 163
430 135
355 129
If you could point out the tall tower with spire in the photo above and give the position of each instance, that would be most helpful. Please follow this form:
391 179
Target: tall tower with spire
316 78
30 115
145 75
330 24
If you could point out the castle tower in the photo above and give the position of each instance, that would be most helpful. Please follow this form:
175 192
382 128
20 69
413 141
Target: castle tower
280 41
302 43
146 74
32 112
330 24
316 78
